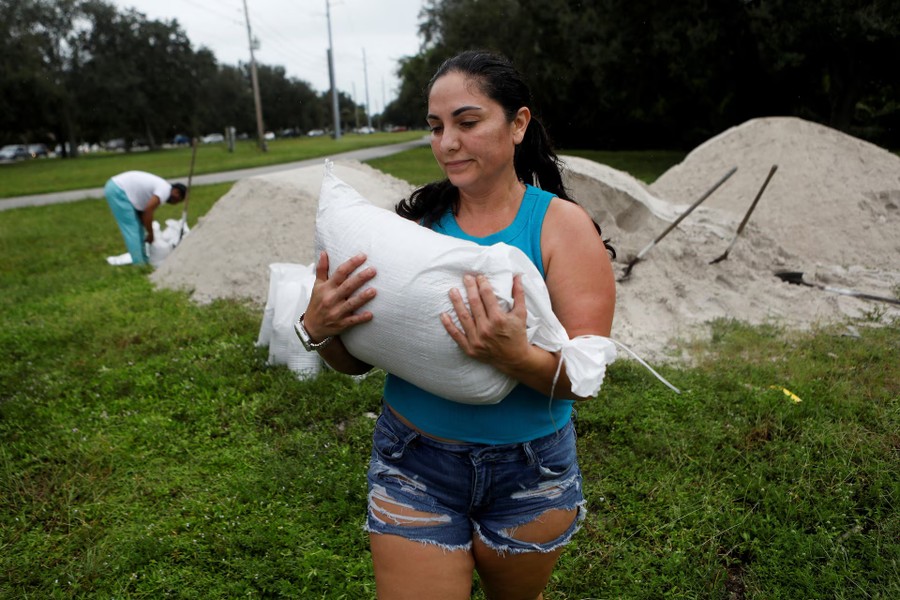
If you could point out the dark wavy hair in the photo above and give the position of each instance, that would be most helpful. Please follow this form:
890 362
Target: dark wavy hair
535 160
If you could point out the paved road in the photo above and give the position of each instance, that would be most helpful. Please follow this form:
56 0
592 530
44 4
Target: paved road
73 195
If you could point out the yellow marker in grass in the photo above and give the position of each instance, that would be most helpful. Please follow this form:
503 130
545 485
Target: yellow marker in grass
787 393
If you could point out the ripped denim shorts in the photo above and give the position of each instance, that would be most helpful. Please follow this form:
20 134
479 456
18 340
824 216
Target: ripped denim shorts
468 489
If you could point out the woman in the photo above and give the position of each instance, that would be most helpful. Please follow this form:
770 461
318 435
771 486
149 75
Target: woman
457 488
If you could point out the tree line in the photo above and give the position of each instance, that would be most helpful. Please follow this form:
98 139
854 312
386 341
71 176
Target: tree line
84 70
616 74
624 74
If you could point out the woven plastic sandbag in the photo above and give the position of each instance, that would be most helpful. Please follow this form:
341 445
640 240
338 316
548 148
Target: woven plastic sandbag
165 240
416 268
290 286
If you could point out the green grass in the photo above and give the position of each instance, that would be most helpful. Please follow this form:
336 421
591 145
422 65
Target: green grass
645 165
147 450
92 170
418 166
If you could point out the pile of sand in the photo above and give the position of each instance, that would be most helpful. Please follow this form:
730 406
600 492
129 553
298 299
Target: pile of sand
832 211
262 220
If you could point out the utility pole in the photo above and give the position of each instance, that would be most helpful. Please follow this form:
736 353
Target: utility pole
366 80
355 107
255 81
334 94
383 103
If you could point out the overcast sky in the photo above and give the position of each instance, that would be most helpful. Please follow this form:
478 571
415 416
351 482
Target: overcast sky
294 35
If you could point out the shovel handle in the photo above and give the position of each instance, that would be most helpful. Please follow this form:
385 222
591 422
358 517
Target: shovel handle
683 215
796 277
675 223
755 201
856 294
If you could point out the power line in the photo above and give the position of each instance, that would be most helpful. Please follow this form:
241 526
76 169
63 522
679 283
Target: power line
231 18
284 46
303 64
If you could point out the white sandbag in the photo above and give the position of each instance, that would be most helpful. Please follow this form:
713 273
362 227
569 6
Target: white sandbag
157 251
279 273
165 240
175 231
119 260
290 286
416 269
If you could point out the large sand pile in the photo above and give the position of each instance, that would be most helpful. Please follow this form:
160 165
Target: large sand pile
262 220
832 210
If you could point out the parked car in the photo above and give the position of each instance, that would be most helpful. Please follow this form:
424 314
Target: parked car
116 144
38 151
269 135
14 152
316 132
365 130
181 140
213 138
83 148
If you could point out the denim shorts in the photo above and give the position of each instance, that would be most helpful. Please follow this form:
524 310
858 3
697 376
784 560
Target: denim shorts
469 489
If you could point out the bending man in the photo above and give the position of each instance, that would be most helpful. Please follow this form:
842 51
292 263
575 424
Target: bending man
133 197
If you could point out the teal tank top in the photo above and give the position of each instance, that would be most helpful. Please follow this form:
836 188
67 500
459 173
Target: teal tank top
524 414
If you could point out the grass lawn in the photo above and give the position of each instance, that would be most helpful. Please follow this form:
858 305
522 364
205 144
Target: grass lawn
148 451
418 166
92 170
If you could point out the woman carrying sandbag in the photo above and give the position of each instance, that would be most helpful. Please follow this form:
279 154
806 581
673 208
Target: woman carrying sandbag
453 487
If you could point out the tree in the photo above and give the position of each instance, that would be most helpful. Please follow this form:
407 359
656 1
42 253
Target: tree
832 60
43 66
223 98
287 102
21 57
643 73
409 108
137 75
83 69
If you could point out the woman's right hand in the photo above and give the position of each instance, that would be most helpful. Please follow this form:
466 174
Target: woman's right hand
333 305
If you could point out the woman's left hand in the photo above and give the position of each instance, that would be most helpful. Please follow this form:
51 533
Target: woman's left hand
489 333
